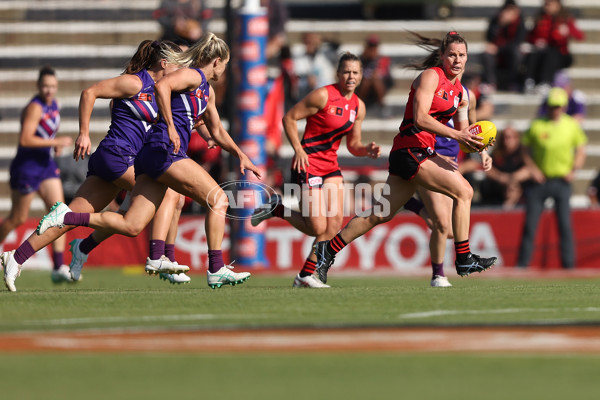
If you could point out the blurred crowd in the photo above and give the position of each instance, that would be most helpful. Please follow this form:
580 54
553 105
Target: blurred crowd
522 54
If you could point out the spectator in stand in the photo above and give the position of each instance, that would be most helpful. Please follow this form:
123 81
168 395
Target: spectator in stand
554 148
377 76
480 94
502 55
277 14
182 21
312 65
554 27
577 100
503 184
594 192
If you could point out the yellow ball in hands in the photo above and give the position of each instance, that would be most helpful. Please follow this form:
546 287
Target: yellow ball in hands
484 129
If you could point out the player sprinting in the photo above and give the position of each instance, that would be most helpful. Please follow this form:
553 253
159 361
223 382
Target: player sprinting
435 97
110 168
331 112
182 97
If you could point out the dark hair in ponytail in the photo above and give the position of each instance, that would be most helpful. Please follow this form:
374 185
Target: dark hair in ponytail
149 53
45 70
436 48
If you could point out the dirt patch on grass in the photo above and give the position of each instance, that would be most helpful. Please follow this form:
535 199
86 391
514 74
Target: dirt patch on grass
559 339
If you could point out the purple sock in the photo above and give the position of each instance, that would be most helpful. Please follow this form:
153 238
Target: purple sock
88 244
414 205
170 251
24 252
58 259
157 249
215 260
77 219
438 269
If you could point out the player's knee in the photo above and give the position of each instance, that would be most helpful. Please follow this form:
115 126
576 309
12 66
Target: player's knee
377 219
134 229
334 225
319 227
180 202
219 202
442 228
465 192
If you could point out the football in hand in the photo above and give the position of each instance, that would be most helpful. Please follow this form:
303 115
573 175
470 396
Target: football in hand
484 129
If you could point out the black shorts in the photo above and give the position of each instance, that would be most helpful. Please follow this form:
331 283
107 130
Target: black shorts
310 180
405 163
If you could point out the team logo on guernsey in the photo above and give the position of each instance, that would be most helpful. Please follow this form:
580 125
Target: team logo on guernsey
333 110
442 94
144 97
200 94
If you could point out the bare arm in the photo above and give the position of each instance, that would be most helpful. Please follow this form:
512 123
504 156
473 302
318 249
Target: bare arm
354 138
577 163
536 173
120 87
182 80
425 86
29 124
310 105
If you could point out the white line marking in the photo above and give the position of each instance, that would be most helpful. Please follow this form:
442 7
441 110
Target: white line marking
438 313
144 318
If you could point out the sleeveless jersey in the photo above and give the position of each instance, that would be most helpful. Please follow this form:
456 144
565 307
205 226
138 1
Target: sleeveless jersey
445 145
47 128
325 129
186 108
445 102
132 118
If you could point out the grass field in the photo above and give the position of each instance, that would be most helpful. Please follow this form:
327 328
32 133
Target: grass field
111 301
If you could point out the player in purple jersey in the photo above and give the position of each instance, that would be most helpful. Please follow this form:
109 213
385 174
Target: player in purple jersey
111 166
183 97
34 170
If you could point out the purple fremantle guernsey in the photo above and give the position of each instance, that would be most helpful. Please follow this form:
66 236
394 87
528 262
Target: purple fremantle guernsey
132 118
446 146
186 109
46 129
31 166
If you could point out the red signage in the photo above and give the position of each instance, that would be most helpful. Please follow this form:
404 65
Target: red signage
399 245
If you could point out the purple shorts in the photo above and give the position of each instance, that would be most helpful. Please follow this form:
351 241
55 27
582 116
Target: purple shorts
154 159
27 175
109 162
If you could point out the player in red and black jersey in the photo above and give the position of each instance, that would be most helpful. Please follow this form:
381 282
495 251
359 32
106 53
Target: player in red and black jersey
331 112
435 97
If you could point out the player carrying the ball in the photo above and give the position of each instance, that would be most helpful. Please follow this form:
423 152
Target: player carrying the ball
436 96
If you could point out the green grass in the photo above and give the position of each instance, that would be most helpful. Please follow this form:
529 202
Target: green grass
110 298
113 299
297 376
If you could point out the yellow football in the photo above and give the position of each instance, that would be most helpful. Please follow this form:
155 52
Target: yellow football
485 129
